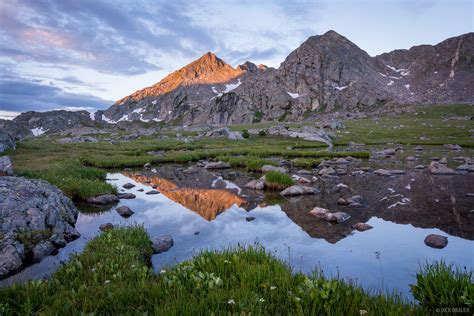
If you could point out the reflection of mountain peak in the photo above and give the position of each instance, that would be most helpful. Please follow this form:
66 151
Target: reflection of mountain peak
206 202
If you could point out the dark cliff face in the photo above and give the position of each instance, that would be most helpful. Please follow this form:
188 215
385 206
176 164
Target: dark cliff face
327 72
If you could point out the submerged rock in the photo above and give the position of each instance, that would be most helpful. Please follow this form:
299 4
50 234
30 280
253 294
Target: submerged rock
299 190
6 166
125 211
325 214
32 208
439 169
249 218
152 192
103 199
327 171
436 241
162 243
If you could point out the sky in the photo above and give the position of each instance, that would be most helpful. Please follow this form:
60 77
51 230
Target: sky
85 54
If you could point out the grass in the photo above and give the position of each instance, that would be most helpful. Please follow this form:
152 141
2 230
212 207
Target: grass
277 181
114 276
444 285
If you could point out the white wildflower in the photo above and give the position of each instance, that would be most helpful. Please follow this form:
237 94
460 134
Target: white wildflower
226 261
261 300
231 302
273 288
162 271
107 282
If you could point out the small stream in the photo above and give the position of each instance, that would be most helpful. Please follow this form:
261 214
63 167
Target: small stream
386 257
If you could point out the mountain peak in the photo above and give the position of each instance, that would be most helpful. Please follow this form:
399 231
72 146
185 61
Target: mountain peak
207 69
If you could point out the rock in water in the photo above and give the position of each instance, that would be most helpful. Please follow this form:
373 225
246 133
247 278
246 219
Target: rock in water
256 184
362 227
126 196
217 165
6 142
128 186
105 227
32 207
6 166
299 190
325 214
436 241
103 199
267 168
125 211
162 243
440 169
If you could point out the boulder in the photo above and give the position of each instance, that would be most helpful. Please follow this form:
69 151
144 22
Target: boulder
6 166
225 132
439 169
299 190
256 184
217 165
325 214
362 226
385 153
125 211
6 141
162 243
267 168
32 207
103 199
436 241
128 186
300 180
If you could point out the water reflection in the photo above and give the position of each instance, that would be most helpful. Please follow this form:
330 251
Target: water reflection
206 202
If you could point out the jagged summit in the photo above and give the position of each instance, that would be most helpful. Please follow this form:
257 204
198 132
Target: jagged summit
208 69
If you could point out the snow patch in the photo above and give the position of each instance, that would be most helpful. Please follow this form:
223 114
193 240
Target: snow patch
390 83
401 71
231 86
341 88
154 102
407 86
92 115
293 95
106 119
38 131
383 75
139 110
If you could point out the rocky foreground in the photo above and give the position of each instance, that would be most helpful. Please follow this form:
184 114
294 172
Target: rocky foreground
36 219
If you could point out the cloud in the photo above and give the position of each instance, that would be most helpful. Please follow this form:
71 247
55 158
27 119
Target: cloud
21 95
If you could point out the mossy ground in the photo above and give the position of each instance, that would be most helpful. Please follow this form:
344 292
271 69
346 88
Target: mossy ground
114 276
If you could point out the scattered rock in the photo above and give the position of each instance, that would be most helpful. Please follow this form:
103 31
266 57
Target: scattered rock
126 196
125 211
81 139
388 173
217 165
147 166
105 227
256 184
444 161
362 226
385 153
466 167
420 167
162 243
410 158
300 180
325 214
42 249
267 168
418 149
6 166
140 190
299 190
103 199
226 133
249 218
439 169
327 171
436 241
128 186
452 146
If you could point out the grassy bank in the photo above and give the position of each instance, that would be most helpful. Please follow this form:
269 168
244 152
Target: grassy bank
113 276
